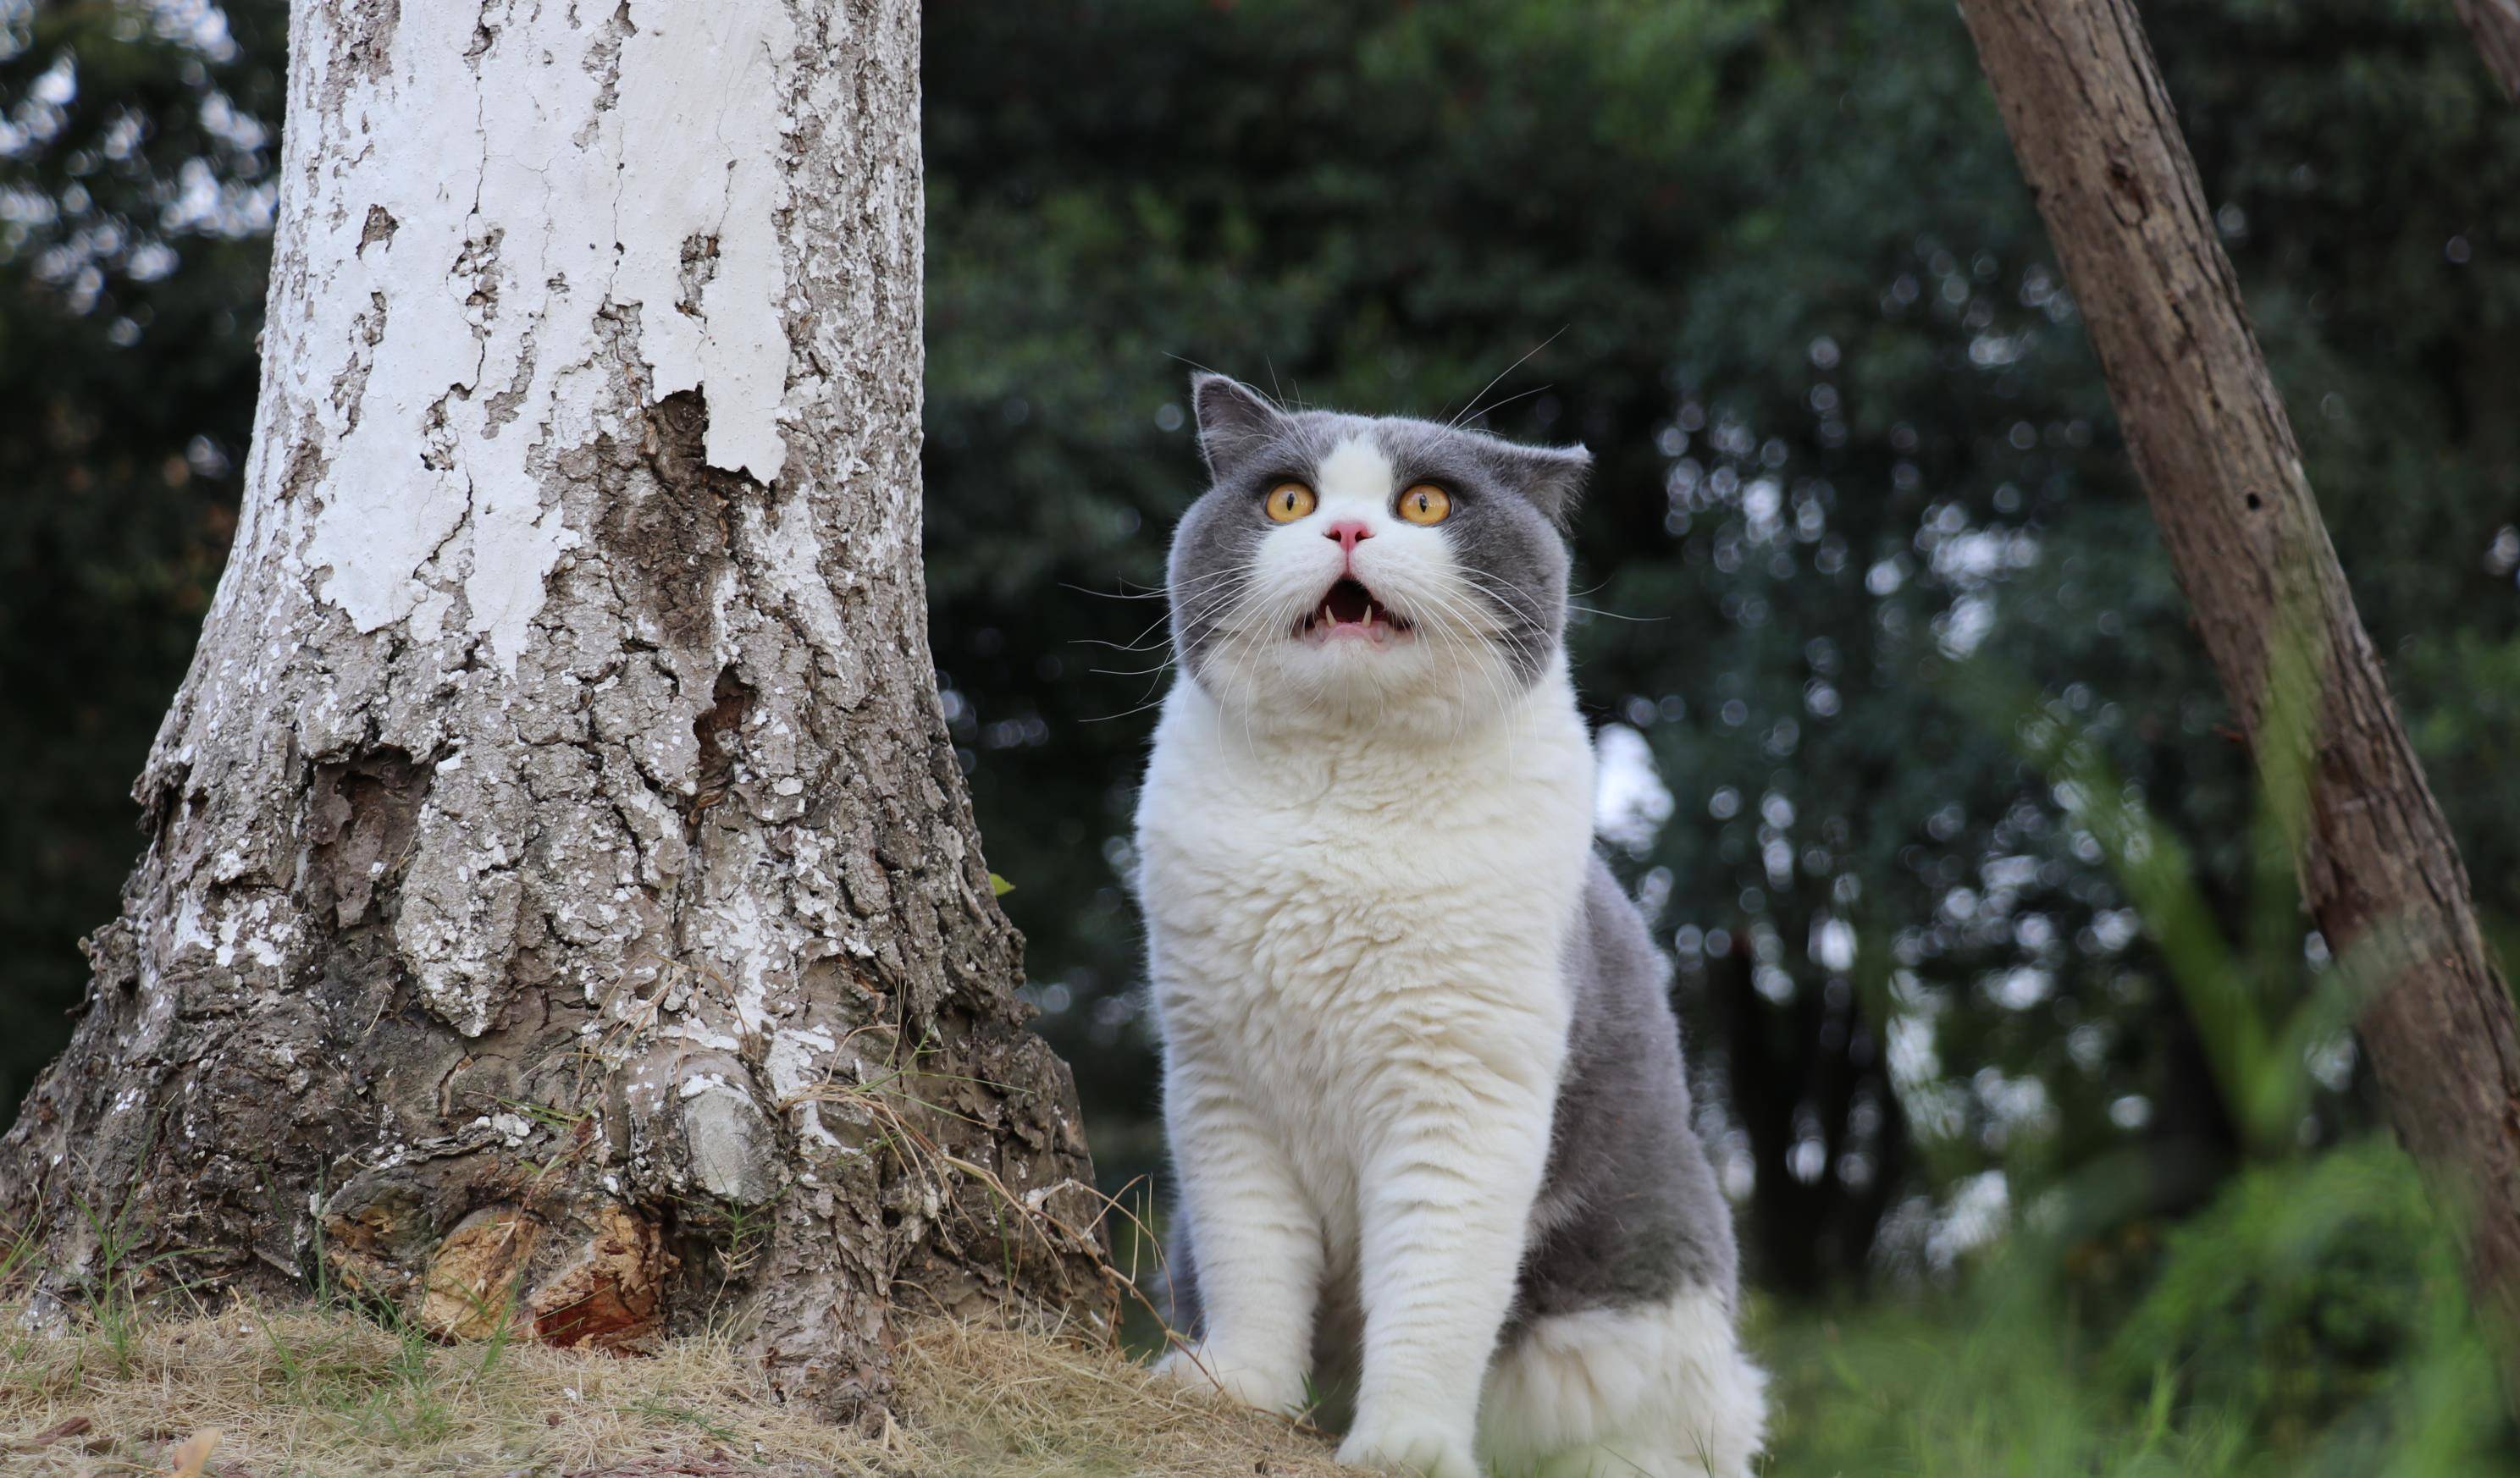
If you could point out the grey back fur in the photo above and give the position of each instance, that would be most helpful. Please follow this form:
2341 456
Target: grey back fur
1628 1210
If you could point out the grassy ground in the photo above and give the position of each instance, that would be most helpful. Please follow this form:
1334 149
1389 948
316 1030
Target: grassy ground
263 1393
2309 1322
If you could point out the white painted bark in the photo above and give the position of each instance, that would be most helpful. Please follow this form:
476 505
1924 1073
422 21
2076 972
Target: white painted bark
558 883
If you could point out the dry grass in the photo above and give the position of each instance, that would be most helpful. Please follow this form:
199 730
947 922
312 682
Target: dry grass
994 1404
305 1394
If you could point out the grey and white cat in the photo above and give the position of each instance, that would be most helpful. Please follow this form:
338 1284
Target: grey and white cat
1421 1077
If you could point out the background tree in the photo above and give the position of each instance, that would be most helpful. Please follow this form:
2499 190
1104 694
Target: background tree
2092 124
559 903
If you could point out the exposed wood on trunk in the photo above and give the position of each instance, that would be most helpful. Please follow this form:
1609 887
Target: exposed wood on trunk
560 903
2496 25
2094 128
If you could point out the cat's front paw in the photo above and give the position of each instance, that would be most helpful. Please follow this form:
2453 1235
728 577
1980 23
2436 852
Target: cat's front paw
1404 1446
1208 1369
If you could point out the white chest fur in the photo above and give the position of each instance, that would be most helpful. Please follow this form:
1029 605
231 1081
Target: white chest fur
1328 910
1355 948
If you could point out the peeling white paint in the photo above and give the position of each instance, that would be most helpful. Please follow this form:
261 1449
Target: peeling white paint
791 551
506 203
699 153
790 1062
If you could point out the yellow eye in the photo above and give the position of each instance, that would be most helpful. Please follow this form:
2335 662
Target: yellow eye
1290 501
1425 502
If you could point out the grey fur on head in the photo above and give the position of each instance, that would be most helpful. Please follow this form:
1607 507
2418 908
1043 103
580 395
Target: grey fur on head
1511 508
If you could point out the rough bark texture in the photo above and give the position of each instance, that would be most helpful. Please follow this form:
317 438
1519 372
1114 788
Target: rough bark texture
2094 128
560 900
2496 25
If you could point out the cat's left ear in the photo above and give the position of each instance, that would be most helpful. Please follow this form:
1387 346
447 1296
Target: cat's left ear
1552 477
1231 416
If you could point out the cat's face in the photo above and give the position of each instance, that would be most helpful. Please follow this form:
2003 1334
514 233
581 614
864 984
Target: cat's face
1358 570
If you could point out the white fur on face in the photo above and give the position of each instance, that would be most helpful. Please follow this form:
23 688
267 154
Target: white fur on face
1357 482
1441 671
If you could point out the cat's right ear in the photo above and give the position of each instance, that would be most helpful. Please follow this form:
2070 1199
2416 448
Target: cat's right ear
1231 417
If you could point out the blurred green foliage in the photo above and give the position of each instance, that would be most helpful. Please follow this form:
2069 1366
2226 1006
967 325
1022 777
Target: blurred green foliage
1775 264
137 146
2309 1322
2299 1295
1772 260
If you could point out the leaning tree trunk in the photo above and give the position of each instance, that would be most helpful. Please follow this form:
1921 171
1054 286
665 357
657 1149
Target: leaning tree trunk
2094 128
560 903
2496 25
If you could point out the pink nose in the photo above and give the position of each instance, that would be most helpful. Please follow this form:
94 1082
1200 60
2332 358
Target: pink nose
1349 532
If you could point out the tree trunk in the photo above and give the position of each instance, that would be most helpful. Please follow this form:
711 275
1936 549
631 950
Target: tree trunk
2093 126
2496 25
1792 1068
561 901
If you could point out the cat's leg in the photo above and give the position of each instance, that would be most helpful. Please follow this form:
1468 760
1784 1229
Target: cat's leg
1659 1390
1256 1243
1444 1203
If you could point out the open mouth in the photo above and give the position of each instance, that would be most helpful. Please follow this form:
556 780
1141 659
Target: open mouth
1349 608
